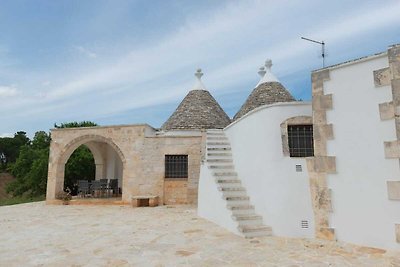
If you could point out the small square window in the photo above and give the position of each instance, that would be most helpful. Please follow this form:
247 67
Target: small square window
176 166
300 138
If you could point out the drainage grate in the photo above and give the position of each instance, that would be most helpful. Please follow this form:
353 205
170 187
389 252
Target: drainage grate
304 224
299 168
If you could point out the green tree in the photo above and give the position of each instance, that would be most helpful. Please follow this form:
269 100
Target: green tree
30 168
31 162
10 148
75 124
80 166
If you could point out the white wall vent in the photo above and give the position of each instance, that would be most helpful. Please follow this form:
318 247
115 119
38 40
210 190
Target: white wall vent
304 224
299 168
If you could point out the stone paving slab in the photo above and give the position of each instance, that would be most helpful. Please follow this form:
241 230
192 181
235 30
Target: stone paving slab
36 234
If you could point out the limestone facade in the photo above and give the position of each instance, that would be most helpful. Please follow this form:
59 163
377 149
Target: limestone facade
321 164
141 151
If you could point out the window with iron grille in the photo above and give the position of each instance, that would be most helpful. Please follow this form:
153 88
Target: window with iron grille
176 166
301 140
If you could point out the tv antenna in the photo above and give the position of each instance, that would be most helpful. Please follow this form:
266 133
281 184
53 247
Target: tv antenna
322 43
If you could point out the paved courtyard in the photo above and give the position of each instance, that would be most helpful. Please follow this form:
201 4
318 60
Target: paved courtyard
39 235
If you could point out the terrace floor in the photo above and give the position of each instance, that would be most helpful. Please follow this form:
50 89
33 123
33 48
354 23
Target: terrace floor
36 234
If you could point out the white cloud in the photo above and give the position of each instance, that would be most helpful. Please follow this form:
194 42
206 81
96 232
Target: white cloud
229 44
6 135
7 91
85 51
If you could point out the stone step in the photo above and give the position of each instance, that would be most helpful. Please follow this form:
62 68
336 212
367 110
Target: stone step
241 209
218 143
216 135
250 231
232 189
219 149
229 184
222 138
223 181
220 160
236 198
234 193
247 219
225 174
224 167
219 154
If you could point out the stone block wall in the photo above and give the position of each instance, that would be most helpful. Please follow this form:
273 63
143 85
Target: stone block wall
321 164
142 153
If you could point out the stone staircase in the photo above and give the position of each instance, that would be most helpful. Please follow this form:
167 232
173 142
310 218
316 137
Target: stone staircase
219 160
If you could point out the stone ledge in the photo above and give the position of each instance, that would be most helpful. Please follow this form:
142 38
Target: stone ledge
386 110
382 77
318 79
397 231
326 233
323 132
393 190
322 102
392 149
319 117
326 164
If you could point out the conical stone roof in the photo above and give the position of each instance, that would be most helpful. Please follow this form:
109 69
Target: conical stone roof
268 91
198 110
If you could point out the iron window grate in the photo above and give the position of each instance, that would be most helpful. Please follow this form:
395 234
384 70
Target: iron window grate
176 166
300 139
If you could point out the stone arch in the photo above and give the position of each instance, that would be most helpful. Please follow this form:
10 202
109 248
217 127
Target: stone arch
297 120
81 140
66 151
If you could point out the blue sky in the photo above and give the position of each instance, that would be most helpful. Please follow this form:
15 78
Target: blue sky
126 62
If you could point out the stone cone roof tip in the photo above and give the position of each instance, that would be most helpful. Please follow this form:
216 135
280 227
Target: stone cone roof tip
198 110
268 91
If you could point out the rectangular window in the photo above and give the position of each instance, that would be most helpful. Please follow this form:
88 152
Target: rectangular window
301 140
176 166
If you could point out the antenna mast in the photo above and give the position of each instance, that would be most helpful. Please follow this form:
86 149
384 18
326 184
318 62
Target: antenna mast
322 43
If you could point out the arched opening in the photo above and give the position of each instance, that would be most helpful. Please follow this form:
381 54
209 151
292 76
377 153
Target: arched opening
96 160
80 166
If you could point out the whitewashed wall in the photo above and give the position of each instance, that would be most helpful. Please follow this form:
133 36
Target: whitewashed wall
211 205
113 165
362 213
279 193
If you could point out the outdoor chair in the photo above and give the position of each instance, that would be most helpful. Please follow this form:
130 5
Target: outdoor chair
83 188
104 186
96 188
114 186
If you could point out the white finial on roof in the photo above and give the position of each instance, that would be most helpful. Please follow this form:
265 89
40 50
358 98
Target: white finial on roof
262 71
268 64
199 84
268 76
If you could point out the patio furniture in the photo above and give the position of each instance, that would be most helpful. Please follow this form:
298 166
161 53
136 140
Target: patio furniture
144 201
105 187
113 185
83 188
96 188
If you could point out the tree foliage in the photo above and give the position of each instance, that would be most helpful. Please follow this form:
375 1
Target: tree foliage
80 166
75 124
28 161
10 148
30 168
